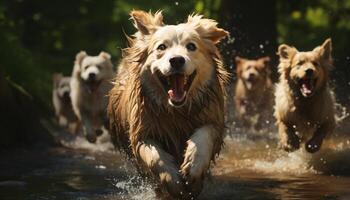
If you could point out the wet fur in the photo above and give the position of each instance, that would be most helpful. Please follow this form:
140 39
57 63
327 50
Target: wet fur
90 106
302 119
172 144
63 105
255 101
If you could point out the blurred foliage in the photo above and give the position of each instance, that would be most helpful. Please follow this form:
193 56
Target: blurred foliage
40 37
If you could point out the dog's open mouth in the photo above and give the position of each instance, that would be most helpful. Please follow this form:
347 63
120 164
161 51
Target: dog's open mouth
307 86
177 86
92 85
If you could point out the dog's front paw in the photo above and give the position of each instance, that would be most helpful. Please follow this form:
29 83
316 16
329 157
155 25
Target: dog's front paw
313 145
291 144
193 169
91 138
173 184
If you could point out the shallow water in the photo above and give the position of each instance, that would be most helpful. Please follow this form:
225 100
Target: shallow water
250 167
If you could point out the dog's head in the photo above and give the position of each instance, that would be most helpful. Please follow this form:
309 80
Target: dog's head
179 58
307 71
61 86
253 73
93 69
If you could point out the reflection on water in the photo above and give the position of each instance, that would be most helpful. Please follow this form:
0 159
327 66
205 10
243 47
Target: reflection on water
250 167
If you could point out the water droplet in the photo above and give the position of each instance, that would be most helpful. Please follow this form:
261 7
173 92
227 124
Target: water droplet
101 167
176 3
261 46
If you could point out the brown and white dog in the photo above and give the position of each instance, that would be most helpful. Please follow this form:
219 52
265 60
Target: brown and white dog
253 92
166 109
63 104
304 104
91 81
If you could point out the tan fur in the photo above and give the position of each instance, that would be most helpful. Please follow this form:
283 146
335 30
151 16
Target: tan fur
147 126
253 91
62 103
89 98
301 118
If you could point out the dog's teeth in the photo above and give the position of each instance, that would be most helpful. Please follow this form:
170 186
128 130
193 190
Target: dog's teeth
185 79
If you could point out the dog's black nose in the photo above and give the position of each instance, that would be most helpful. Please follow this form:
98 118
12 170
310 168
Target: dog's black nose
92 76
251 76
177 62
309 72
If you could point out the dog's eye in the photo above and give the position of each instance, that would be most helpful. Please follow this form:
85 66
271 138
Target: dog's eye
315 63
161 47
300 62
98 66
87 66
191 47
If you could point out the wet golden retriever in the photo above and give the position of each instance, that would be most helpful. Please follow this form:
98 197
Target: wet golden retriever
253 92
166 109
304 104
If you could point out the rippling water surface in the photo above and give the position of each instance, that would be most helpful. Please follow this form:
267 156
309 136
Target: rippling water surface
250 167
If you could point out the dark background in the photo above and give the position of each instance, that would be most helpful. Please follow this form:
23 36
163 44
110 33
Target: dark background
38 38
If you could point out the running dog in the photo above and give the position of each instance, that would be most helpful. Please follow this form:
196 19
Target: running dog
63 104
254 92
91 81
166 109
304 106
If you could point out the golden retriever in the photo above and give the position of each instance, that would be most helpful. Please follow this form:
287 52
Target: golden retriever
304 104
91 81
166 109
253 92
63 104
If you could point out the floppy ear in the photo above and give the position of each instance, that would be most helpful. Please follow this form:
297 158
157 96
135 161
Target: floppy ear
286 52
80 57
325 50
56 77
105 55
207 28
145 22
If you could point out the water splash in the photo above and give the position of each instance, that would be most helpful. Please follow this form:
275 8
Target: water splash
103 143
134 187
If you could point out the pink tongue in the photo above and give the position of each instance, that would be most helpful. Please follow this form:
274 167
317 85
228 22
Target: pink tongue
307 86
176 91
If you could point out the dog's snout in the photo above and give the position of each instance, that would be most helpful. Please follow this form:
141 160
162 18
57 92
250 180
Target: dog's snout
177 62
309 72
92 76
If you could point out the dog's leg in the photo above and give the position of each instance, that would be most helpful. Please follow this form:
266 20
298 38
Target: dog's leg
315 143
197 157
162 165
88 129
289 140
62 121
